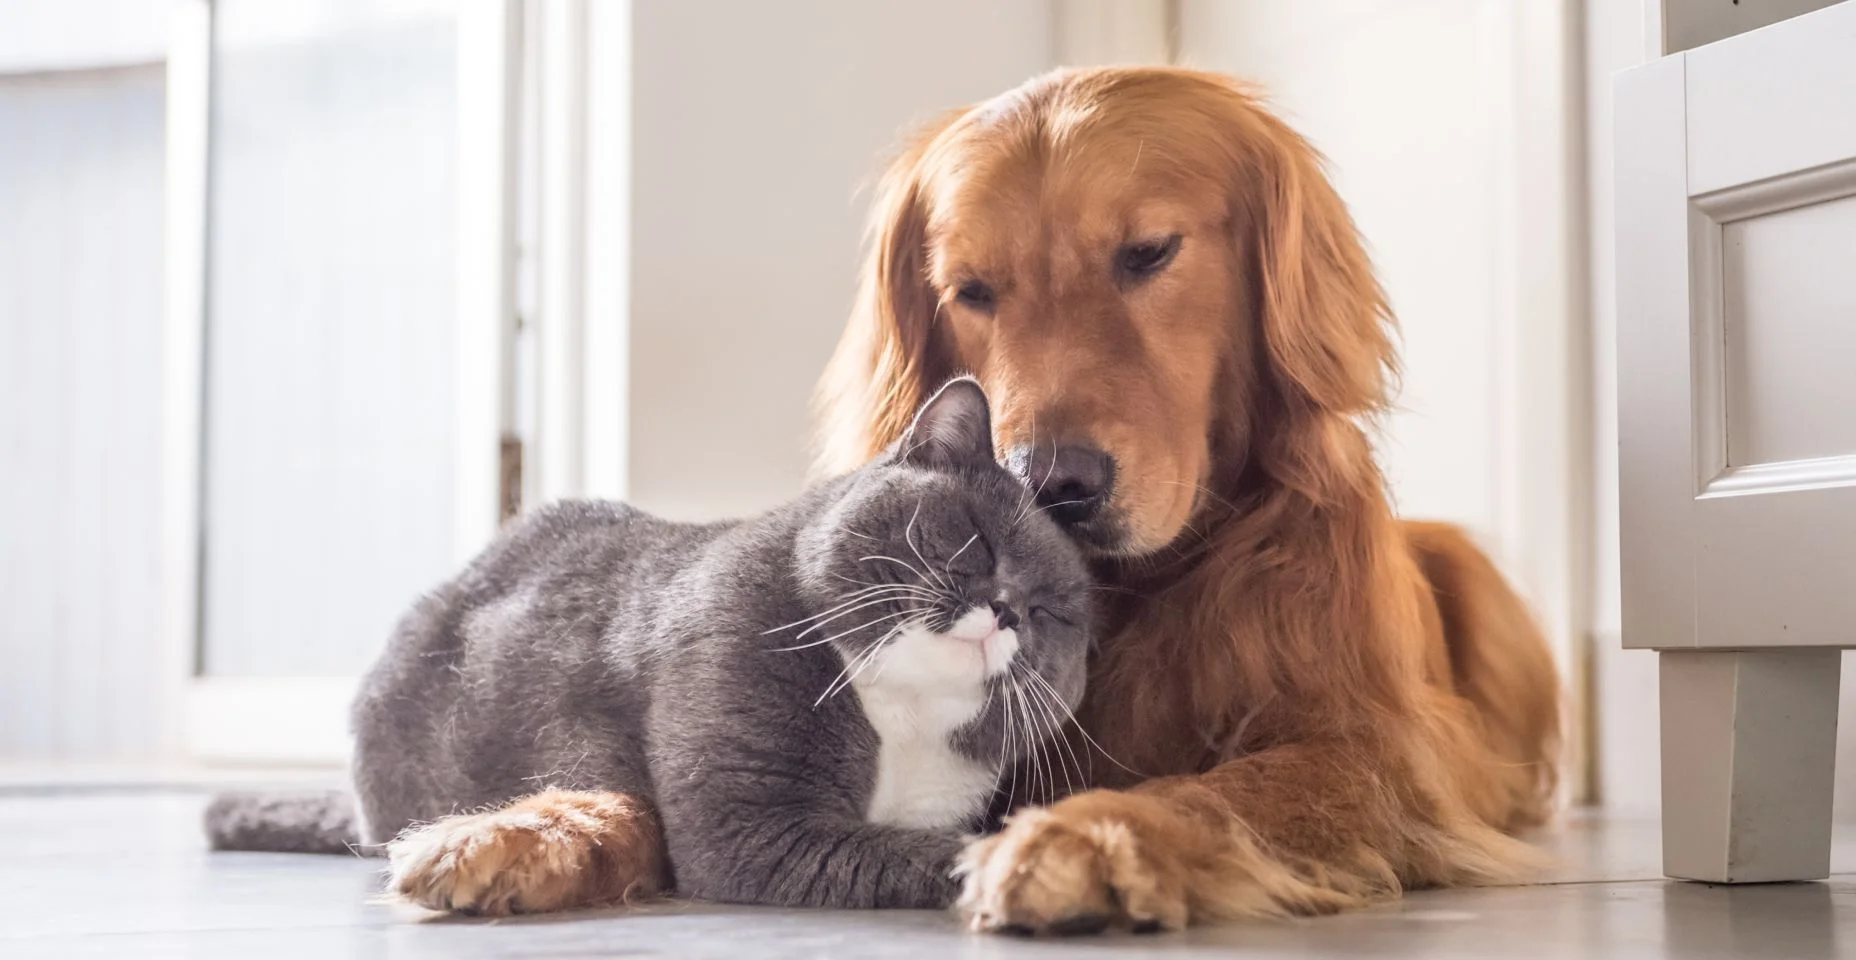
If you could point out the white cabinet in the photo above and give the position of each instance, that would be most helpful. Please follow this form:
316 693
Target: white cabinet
1736 212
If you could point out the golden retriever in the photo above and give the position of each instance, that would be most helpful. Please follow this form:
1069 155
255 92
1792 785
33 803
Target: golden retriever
1301 703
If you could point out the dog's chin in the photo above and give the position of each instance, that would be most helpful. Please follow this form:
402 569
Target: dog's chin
1112 535
1108 536
1103 535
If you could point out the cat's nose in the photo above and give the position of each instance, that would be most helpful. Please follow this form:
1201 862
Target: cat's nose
1003 616
1071 483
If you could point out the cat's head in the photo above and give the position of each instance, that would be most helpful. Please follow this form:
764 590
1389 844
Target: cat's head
935 566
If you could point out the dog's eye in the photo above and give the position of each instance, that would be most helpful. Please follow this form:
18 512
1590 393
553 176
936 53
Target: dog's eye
1145 259
976 295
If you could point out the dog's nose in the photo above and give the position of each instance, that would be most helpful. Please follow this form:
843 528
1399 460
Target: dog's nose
1070 483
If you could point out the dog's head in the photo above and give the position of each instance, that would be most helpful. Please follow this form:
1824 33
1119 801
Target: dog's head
1148 273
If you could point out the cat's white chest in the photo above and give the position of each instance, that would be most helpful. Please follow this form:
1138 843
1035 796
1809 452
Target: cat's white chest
915 699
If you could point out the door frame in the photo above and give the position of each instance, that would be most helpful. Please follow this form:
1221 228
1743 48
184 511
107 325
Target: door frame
304 719
1544 354
579 55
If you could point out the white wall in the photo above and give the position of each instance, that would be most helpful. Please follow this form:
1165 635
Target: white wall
754 126
1439 119
1396 94
43 35
80 322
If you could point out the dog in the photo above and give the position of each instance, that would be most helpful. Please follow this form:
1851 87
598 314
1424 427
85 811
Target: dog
1300 703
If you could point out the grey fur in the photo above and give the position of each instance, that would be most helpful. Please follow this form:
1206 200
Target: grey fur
596 647
320 822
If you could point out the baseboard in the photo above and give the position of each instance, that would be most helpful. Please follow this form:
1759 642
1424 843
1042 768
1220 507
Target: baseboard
269 720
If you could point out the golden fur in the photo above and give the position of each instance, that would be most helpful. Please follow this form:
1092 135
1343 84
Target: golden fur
1325 705
553 850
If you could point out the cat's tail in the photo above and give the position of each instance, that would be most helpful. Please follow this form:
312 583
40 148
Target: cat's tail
323 822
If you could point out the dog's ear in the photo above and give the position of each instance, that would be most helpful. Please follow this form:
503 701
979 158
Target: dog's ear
954 429
1326 324
888 358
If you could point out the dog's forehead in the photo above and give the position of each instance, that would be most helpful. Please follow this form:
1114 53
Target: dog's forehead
987 222
1005 184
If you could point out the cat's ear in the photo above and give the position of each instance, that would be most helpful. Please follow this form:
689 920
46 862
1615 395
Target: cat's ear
952 429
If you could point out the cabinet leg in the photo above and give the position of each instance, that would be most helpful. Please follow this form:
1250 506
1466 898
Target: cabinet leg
1749 745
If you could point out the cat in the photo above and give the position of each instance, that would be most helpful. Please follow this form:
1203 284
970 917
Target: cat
817 704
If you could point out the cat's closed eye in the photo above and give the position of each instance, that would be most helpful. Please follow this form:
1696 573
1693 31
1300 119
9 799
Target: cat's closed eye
1041 612
974 557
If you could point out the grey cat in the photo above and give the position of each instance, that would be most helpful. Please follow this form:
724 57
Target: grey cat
818 701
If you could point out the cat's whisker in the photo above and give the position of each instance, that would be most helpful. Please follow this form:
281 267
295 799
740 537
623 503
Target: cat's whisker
1040 743
917 587
1029 497
1091 740
922 586
921 595
893 585
860 663
919 575
860 583
949 565
992 690
844 603
843 675
1025 738
877 601
1029 749
874 659
1054 762
1063 742
1060 718
889 637
1024 507
1008 764
902 593
995 688
908 537
1040 717
1039 491
845 633
1008 740
1052 506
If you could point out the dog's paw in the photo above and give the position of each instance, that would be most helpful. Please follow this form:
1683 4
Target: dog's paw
1066 870
556 850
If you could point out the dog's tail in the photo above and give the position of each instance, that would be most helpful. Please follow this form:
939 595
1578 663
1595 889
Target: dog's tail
323 822
1501 664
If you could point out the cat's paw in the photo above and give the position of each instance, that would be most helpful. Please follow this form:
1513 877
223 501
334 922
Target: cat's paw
556 850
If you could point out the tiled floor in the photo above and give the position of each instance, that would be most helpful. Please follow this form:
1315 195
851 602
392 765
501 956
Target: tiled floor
124 874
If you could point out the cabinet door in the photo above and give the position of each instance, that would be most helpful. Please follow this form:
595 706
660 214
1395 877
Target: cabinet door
1736 186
